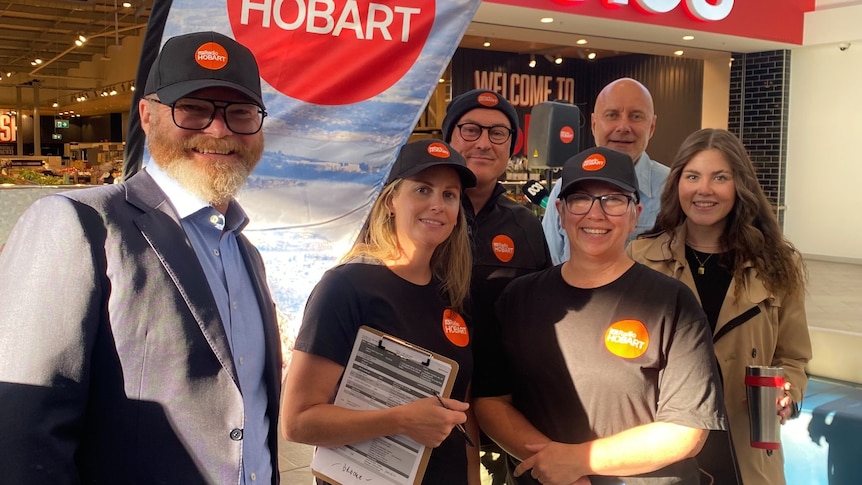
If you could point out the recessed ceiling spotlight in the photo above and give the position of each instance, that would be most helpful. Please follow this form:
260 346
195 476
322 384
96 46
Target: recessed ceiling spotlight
127 4
581 41
487 42
687 37
678 53
546 20
591 56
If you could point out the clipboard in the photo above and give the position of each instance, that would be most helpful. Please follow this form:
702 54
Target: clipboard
384 371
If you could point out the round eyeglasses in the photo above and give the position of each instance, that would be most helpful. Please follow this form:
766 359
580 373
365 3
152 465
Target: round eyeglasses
611 204
497 134
198 114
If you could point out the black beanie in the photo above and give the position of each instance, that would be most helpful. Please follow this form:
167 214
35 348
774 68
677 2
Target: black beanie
479 98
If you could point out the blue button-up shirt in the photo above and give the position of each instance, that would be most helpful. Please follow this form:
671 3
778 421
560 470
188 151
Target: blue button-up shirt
214 239
651 176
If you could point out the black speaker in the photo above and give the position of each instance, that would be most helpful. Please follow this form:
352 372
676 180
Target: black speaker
553 135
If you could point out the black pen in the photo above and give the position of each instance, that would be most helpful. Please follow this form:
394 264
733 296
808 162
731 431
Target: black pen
459 427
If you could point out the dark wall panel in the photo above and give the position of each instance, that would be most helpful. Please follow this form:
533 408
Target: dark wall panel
675 83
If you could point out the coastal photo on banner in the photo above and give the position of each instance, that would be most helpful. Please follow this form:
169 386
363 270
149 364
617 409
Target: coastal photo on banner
344 82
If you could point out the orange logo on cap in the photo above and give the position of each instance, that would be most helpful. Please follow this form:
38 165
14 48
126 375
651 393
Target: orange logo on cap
627 339
503 247
594 162
567 134
438 150
454 328
487 99
211 56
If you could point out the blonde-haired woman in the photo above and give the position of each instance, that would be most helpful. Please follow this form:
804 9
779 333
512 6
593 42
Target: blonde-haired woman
408 272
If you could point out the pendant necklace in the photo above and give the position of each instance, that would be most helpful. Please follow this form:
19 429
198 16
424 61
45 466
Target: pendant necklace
700 269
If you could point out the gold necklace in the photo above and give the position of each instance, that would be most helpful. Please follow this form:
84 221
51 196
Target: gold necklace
700 269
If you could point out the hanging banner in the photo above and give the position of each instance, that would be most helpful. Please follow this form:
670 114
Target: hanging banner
344 83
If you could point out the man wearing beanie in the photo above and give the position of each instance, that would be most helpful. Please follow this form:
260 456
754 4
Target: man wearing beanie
142 345
506 237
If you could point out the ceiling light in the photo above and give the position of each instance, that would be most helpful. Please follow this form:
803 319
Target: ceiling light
687 37
591 56
581 41
82 38
487 42
441 80
532 62
55 104
113 92
678 53
546 20
126 4
36 62
558 60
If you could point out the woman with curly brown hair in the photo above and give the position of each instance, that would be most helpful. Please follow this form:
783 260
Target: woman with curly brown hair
718 233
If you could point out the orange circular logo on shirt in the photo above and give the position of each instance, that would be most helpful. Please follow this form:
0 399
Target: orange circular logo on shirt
594 162
503 247
455 328
211 56
627 339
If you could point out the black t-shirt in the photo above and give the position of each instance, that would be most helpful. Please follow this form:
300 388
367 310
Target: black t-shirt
355 294
507 242
581 364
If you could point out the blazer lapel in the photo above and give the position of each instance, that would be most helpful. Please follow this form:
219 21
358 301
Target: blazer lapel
160 225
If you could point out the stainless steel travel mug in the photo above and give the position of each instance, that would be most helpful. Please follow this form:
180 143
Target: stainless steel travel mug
764 386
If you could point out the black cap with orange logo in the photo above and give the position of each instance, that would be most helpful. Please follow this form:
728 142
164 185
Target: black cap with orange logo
200 60
602 164
423 154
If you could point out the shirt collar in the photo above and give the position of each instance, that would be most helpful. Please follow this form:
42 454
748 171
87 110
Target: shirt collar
643 173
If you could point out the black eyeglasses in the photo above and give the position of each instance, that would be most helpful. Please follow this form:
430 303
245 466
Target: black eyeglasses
498 134
198 114
611 204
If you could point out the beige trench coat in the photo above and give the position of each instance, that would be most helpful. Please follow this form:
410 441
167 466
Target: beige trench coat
759 328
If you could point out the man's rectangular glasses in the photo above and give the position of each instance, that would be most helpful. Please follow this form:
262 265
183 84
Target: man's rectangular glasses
611 204
198 113
498 134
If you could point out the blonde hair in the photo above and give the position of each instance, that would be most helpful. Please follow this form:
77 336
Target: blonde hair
451 262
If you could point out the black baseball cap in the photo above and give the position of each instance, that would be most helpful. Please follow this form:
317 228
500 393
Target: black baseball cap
419 155
602 164
479 99
200 60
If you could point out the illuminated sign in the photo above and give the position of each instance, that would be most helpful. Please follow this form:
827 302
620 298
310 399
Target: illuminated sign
56 136
8 128
61 123
705 10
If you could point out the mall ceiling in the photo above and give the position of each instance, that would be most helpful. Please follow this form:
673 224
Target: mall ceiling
47 30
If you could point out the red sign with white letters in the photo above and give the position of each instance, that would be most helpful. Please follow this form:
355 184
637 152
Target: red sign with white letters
773 20
323 51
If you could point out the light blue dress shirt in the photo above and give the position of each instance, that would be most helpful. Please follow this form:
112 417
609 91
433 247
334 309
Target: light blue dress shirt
214 239
651 176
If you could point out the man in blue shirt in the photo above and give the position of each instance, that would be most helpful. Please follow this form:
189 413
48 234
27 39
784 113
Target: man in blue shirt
623 119
141 346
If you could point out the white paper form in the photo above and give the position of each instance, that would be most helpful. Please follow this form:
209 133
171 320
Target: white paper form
383 372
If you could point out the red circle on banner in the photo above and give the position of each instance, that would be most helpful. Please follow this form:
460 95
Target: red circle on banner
333 52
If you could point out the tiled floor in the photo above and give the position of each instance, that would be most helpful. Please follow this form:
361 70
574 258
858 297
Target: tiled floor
824 452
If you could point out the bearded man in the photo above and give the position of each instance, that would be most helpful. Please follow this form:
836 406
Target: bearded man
138 338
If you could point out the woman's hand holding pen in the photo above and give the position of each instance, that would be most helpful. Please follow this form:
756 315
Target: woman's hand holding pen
428 423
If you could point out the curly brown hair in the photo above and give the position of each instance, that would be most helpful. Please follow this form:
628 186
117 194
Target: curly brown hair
752 232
